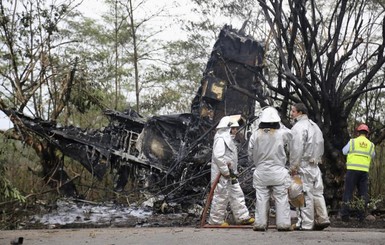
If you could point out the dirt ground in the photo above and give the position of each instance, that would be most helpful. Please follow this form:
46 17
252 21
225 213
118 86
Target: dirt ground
191 235
184 229
168 229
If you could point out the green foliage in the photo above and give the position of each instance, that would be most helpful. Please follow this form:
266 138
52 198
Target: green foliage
359 203
238 9
7 191
171 88
377 172
375 201
166 99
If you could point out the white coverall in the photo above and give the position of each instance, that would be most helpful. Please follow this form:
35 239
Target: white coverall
306 153
225 151
267 150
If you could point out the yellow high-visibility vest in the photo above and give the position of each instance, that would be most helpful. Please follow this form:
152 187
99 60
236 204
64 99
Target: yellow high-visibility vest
360 154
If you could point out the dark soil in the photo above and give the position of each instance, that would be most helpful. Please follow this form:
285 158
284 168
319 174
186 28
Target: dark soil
372 221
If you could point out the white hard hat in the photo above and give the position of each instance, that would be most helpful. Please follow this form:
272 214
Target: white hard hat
224 123
270 115
234 124
228 122
234 119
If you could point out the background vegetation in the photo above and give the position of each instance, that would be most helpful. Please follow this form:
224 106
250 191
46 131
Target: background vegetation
58 65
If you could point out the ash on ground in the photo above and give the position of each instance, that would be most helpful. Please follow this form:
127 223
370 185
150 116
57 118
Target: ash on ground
74 213
82 214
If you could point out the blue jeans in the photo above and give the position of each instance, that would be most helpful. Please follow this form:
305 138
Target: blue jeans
354 179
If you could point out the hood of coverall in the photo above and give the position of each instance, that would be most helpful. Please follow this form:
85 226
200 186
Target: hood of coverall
229 122
270 115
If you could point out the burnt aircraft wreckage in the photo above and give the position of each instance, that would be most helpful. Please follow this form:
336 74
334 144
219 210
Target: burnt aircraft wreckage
169 155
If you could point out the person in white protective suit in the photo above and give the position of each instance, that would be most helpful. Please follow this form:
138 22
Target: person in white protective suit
307 149
268 148
228 191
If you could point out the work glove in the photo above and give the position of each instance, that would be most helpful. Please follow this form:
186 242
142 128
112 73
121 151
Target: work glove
233 177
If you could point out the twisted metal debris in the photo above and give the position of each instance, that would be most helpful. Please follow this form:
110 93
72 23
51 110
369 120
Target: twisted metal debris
169 155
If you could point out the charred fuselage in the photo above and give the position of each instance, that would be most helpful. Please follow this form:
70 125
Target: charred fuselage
169 154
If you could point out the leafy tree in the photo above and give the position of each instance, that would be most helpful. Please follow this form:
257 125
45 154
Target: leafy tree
98 68
58 64
37 78
7 190
141 50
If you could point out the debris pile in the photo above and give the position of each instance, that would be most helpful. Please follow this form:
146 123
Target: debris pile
169 155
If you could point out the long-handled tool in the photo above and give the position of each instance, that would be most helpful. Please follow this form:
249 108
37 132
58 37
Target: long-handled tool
209 199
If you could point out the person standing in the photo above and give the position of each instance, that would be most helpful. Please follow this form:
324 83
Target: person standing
360 152
228 190
267 149
307 148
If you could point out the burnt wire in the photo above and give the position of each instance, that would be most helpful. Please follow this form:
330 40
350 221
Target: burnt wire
199 174
178 161
183 183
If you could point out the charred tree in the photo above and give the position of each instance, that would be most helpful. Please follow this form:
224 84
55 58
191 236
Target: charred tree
329 57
